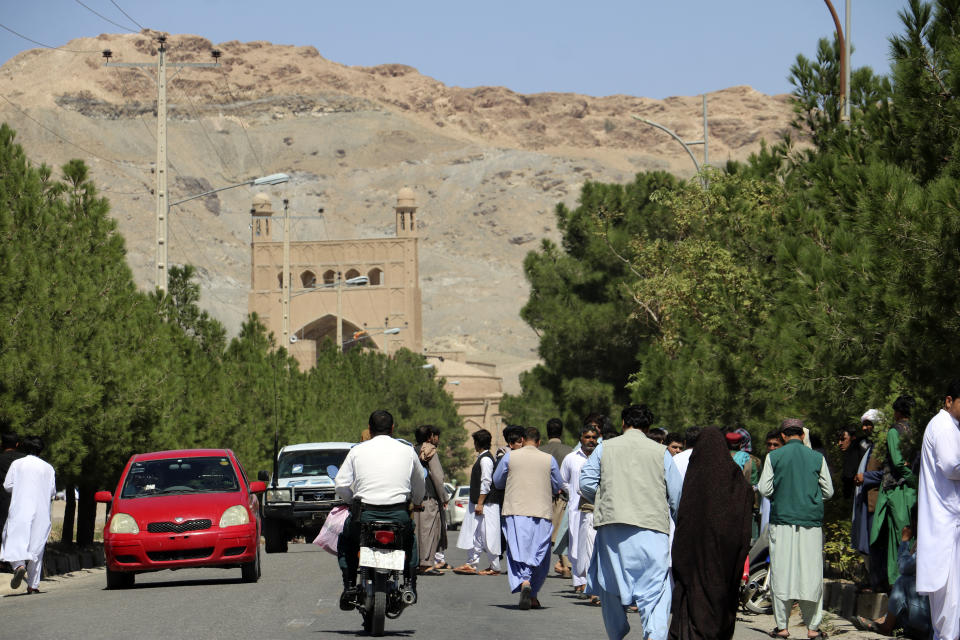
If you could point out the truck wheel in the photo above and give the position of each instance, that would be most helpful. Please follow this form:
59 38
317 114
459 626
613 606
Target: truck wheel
274 536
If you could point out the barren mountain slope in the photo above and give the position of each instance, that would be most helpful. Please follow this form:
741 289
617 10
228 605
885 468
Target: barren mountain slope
488 165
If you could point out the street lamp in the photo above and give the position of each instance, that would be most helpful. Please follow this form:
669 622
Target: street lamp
687 143
274 178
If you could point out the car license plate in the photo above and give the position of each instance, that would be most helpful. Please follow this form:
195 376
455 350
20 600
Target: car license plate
382 558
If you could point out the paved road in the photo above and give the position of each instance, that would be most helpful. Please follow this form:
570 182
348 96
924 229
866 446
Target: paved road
296 598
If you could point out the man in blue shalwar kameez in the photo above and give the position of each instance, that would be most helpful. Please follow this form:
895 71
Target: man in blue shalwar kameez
635 488
530 478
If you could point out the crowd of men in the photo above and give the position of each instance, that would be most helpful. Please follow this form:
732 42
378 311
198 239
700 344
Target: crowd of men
633 518
28 488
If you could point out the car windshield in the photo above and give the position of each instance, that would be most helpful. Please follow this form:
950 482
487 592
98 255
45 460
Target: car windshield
311 462
464 492
175 476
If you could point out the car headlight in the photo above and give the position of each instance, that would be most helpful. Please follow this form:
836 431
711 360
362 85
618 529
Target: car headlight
279 495
123 523
235 515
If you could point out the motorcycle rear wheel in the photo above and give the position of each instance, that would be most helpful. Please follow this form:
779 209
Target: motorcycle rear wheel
760 601
379 611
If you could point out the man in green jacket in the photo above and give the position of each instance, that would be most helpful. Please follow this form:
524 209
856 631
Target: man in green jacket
797 481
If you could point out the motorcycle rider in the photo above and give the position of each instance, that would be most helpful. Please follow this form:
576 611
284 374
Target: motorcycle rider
385 475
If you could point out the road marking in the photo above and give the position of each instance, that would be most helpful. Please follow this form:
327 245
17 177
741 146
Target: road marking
299 623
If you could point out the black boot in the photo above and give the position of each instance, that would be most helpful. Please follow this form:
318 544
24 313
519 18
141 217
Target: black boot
348 597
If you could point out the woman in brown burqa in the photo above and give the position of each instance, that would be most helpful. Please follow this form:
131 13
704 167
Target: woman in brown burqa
711 542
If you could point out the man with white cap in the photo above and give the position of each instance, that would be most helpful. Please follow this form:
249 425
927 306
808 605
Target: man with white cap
867 481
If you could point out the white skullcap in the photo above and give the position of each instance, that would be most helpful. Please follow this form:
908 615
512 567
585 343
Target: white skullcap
872 415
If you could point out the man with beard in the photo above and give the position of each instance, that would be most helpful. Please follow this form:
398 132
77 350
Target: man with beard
938 515
430 523
797 481
570 475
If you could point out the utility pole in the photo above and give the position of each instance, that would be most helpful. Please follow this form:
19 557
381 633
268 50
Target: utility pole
339 310
163 208
846 63
286 274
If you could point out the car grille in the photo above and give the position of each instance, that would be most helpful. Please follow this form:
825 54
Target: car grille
180 554
178 527
315 495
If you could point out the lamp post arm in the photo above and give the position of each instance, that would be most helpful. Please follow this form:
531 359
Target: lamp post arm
212 191
674 136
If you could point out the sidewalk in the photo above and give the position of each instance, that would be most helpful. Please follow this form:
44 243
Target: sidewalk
832 624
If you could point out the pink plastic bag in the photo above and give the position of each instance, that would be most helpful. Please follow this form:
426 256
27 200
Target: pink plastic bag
332 527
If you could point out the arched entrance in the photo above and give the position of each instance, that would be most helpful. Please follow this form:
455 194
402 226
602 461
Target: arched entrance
325 328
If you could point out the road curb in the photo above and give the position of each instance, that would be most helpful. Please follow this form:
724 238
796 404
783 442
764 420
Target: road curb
60 559
841 598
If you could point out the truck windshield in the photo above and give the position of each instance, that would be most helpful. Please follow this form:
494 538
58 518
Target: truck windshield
310 463
178 476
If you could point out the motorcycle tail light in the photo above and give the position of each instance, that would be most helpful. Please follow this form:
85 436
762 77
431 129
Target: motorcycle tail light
383 537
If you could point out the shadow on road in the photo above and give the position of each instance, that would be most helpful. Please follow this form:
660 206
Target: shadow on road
181 583
360 632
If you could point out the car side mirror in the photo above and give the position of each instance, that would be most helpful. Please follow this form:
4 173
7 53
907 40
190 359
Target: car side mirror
263 476
258 486
103 496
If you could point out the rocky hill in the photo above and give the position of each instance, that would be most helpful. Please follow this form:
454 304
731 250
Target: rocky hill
488 165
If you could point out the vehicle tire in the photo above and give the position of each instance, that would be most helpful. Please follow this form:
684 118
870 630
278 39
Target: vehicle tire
250 571
379 611
274 536
760 601
120 579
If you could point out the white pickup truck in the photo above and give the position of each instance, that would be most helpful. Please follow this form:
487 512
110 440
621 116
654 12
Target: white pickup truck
303 495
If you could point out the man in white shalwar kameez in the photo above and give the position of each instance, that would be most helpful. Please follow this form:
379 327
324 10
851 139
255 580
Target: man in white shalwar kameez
938 515
797 481
480 530
31 483
570 475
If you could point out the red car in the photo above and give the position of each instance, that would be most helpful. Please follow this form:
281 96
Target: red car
179 509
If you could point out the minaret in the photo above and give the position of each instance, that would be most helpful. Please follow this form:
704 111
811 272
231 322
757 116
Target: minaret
406 213
260 223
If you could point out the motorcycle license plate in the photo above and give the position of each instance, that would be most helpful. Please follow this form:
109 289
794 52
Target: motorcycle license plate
392 559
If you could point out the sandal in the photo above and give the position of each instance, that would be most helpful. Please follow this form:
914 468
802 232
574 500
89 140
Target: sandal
820 634
429 572
776 633
595 601
465 570
864 624
489 572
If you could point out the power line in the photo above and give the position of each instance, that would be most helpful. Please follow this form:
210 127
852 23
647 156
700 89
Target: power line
47 46
71 143
127 14
226 82
206 135
100 15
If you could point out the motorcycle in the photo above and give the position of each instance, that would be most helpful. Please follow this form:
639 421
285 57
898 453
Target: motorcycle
382 590
755 590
